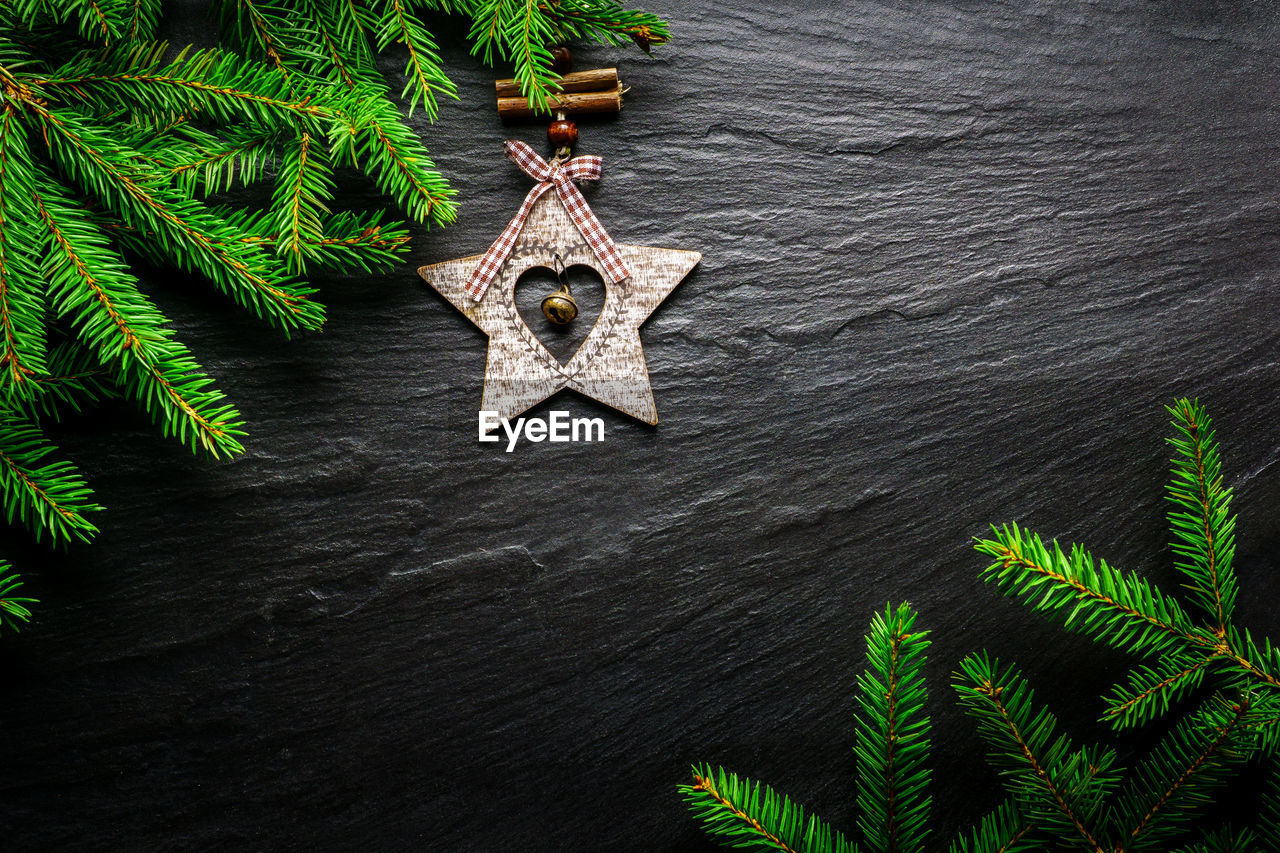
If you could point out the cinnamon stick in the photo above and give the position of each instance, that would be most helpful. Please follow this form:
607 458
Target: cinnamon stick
595 80
571 103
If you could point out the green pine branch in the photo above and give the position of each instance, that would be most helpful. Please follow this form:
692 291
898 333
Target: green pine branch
892 742
269 29
304 186
521 30
1063 796
1122 610
347 57
1249 666
375 136
424 75
1004 830
202 164
22 326
1269 808
1061 788
1129 613
1202 524
1150 691
219 86
48 496
189 236
101 21
346 242
1179 777
1225 840
13 607
747 815
91 287
143 18
75 383
608 22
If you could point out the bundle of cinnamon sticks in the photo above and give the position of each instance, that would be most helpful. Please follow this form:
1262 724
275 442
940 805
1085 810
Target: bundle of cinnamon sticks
581 93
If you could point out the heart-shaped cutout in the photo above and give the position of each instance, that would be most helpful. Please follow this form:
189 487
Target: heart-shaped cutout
562 341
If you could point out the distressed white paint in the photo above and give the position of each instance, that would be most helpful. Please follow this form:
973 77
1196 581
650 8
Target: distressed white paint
609 365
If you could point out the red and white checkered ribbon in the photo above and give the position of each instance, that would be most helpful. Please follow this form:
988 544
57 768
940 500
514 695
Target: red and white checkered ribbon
548 175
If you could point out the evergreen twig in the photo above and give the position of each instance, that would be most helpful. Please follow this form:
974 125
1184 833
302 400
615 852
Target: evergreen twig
1177 779
1004 830
892 736
1202 523
1063 796
13 607
746 815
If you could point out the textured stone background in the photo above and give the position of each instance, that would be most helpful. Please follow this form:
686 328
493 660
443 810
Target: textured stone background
957 256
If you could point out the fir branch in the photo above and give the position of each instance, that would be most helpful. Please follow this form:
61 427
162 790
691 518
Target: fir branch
348 242
48 496
201 163
13 53
1056 783
1175 782
1120 609
347 59
1225 840
749 816
101 20
222 86
22 327
351 20
13 608
97 21
1250 665
191 237
608 22
400 165
304 183
424 74
1004 830
1151 690
141 132
520 30
1202 525
1130 614
250 22
143 19
74 383
90 285
893 736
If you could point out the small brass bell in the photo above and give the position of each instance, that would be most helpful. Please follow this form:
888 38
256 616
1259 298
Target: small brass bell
559 307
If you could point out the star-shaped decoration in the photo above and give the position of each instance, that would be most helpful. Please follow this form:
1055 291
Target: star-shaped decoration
609 365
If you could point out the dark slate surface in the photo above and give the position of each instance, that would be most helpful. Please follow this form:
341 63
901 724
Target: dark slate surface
957 256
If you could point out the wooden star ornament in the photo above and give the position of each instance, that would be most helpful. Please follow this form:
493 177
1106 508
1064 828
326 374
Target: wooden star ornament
609 365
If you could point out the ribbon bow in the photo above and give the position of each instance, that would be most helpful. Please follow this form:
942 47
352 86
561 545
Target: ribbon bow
548 175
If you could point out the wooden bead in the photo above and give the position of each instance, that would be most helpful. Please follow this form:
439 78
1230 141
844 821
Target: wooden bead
561 59
562 133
